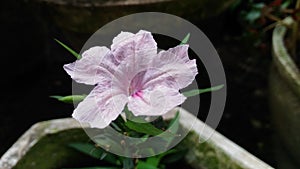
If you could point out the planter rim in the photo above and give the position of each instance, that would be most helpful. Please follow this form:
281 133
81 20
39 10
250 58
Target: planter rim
282 59
104 3
237 154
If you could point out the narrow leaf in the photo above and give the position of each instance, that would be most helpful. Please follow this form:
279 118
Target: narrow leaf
200 91
103 156
115 126
130 116
150 151
173 128
95 168
253 15
69 49
285 4
145 128
175 120
95 152
105 140
173 157
154 161
128 163
88 149
70 99
185 39
144 165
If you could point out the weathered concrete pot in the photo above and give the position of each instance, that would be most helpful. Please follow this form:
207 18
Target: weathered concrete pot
284 84
78 19
217 153
86 16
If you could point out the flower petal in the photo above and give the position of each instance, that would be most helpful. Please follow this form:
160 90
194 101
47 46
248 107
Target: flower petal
100 107
121 38
180 52
127 44
155 102
96 63
139 53
172 68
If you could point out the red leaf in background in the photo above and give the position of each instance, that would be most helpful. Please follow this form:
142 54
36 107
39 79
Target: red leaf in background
276 3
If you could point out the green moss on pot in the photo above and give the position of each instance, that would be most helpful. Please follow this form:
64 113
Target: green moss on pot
52 152
205 155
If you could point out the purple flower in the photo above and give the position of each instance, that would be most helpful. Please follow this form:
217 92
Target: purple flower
131 73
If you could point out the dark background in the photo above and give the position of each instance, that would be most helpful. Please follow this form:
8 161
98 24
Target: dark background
31 70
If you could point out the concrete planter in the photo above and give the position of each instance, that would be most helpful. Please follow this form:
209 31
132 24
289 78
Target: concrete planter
217 153
285 95
78 19
86 16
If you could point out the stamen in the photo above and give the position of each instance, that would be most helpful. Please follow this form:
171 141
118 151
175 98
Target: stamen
137 94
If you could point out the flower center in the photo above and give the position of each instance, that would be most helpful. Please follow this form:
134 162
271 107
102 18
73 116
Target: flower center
134 92
136 85
137 94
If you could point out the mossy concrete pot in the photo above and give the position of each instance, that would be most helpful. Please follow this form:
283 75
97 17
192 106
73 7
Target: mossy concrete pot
284 84
43 146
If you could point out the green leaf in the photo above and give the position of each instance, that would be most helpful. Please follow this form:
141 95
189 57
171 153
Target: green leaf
185 39
253 15
128 163
95 152
142 126
88 149
120 124
95 168
70 99
144 165
145 128
174 122
154 161
285 4
258 6
144 138
105 140
130 116
174 156
69 49
173 128
200 91
115 126
171 151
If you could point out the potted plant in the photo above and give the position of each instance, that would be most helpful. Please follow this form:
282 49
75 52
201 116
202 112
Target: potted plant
130 116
